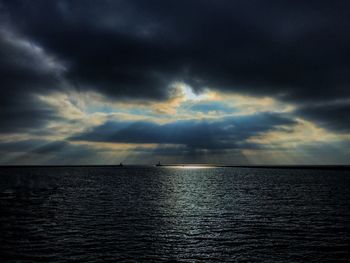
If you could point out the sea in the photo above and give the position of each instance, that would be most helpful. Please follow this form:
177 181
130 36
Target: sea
174 214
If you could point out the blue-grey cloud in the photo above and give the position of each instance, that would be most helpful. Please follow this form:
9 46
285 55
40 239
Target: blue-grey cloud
215 106
228 133
46 152
38 146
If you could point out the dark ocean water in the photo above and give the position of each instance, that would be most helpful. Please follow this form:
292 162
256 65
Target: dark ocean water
148 214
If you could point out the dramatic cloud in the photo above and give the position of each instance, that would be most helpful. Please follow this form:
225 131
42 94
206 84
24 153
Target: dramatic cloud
212 75
334 115
24 69
228 133
47 152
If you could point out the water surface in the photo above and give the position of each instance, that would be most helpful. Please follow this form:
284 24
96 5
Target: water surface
149 214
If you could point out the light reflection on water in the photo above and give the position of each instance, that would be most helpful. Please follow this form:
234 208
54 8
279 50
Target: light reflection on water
185 215
195 167
189 167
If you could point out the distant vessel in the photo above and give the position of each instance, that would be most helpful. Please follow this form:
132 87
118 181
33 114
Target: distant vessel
121 165
158 164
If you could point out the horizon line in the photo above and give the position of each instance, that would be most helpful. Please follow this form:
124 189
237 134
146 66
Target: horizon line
199 165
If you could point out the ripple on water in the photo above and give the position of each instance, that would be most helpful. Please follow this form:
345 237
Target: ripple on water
174 215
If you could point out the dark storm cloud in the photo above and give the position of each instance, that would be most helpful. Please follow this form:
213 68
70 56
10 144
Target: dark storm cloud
298 51
229 133
335 116
31 117
24 71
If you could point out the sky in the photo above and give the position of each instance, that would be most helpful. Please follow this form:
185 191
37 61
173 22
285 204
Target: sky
176 81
